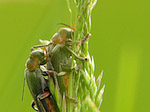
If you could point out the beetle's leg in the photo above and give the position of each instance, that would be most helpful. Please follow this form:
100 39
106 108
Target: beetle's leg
85 38
38 46
75 68
52 74
78 57
57 47
71 100
43 95
61 73
68 68
47 106
49 64
33 106
45 73
81 41
65 67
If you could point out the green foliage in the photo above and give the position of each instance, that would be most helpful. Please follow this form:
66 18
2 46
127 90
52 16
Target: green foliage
83 85
119 44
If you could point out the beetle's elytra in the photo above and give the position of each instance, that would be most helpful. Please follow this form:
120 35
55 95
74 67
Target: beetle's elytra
38 85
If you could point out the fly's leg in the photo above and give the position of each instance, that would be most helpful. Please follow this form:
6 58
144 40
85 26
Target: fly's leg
33 106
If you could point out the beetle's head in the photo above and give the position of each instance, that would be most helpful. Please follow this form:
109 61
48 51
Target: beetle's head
67 32
36 59
38 55
62 36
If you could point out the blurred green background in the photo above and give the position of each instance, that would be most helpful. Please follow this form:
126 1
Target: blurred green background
120 44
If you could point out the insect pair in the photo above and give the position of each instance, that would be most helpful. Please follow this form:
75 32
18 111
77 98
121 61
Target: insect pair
57 55
37 84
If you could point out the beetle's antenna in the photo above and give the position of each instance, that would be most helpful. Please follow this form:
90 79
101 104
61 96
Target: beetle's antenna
64 25
23 89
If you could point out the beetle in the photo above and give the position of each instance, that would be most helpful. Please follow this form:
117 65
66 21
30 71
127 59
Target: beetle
37 84
61 54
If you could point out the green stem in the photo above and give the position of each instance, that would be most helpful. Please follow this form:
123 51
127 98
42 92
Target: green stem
82 84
